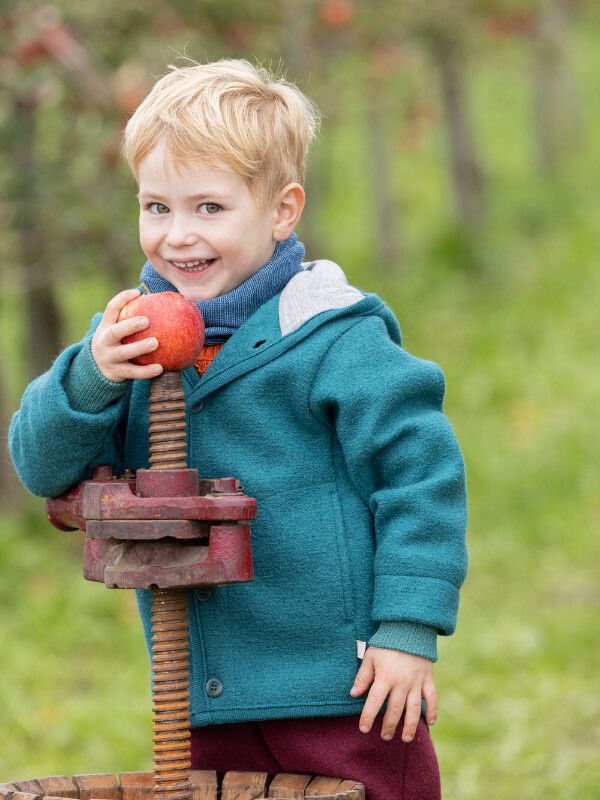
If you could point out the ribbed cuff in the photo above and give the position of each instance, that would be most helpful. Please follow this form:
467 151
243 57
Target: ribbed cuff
87 389
420 640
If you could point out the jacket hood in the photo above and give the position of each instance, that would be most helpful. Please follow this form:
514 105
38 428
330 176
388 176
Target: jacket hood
322 286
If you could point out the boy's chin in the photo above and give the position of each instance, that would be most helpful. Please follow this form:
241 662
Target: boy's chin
199 296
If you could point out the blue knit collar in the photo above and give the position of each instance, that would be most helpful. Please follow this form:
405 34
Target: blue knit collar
224 314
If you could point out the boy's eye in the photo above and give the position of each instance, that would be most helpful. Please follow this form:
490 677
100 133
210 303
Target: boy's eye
157 208
211 208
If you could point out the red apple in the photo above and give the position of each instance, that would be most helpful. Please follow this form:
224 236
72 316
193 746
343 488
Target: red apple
175 322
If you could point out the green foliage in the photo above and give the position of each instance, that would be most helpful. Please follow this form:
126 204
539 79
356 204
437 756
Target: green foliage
75 687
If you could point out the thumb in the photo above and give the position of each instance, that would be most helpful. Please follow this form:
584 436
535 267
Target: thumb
364 676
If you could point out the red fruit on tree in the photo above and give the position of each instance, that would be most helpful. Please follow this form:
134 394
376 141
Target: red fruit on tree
336 13
29 52
175 322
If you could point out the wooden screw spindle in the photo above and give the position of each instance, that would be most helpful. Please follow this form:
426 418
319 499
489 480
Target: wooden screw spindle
168 448
170 637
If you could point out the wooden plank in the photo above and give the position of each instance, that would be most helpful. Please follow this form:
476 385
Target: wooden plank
244 785
289 785
29 787
351 790
322 785
26 796
58 786
204 784
137 785
103 786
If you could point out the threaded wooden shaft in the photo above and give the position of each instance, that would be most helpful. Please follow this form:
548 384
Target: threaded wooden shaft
170 635
168 446
170 688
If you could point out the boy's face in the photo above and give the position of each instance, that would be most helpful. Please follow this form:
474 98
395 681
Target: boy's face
200 226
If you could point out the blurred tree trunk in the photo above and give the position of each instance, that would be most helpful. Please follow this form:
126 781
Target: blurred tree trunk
42 318
11 493
296 22
378 150
467 174
555 107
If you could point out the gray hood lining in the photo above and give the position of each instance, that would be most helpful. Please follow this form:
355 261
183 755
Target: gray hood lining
321 286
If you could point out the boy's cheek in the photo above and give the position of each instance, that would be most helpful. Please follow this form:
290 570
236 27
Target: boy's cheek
148 244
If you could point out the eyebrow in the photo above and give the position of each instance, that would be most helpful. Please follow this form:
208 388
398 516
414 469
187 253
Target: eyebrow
202 196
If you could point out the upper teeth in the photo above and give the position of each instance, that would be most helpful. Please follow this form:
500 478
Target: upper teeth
191 264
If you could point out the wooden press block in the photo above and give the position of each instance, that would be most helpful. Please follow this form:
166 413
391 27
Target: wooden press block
29 787
137 785
204 784
322 786
103 786
288 785
350 790
58 786
244 785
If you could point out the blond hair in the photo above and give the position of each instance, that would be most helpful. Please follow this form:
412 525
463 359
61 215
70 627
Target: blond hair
230 111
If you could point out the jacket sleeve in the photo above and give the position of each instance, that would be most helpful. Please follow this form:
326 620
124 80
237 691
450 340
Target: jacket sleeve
70 420
405 463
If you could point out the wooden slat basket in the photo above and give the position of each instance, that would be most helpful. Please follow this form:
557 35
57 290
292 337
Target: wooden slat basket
138 786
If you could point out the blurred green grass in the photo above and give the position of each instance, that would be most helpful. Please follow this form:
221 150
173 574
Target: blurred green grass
518 683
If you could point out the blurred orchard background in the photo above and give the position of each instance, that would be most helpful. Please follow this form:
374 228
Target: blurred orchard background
457 174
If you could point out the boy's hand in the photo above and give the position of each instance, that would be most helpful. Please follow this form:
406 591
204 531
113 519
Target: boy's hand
406 678
112 357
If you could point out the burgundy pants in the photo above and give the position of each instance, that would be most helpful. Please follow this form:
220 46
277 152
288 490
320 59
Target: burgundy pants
324 746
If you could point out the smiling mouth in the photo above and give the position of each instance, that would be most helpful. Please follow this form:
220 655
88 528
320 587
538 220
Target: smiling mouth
193 266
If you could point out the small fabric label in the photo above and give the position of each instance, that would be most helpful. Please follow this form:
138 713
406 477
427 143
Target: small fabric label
360 649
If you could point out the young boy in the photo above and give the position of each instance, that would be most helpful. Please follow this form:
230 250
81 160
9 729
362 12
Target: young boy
304 393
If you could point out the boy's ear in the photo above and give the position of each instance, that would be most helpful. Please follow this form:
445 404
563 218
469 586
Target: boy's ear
288 210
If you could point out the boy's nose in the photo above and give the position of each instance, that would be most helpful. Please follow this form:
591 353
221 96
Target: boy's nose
181 233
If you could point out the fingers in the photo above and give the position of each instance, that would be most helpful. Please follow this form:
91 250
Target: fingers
119 330
364 676
126 352
430 696
364 679
398 702
117 360
114 306
112 357
130 371
403 679
373 703
393 712
412 715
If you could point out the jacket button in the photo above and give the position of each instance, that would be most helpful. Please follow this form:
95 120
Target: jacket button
213 687
198 407
203 594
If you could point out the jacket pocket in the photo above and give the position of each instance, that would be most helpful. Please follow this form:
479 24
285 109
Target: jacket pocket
301 589
342 555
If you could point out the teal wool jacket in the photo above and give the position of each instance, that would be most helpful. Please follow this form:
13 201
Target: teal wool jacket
339 434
